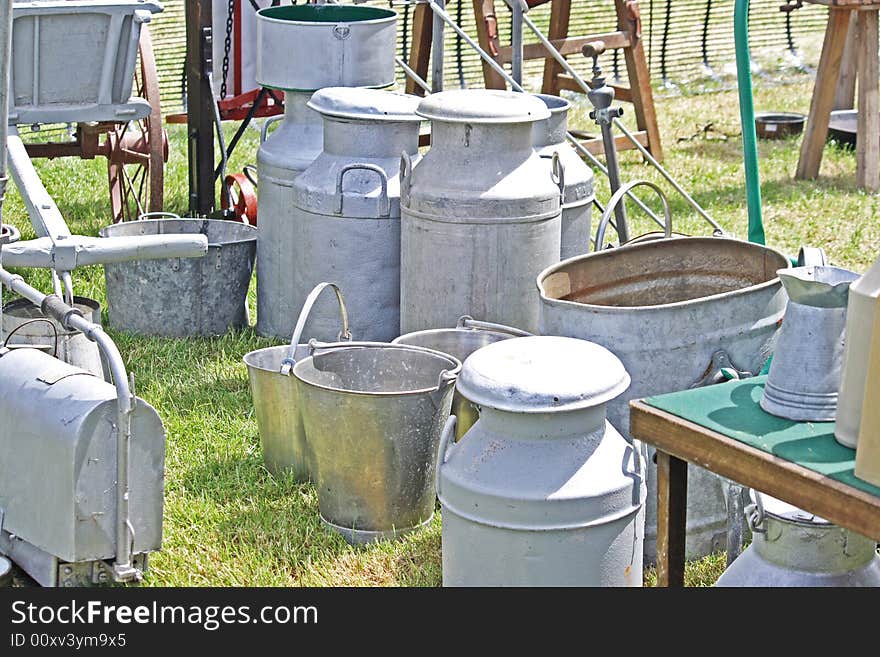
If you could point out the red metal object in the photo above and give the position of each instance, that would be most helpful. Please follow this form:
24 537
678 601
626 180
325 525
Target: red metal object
244 196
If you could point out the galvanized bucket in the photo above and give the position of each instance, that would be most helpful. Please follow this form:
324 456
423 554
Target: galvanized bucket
461 341
665 307
373 413
24 325
276 400
178 297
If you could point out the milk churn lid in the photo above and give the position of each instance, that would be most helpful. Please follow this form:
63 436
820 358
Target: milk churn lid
542 374
777 508
365 104
483 106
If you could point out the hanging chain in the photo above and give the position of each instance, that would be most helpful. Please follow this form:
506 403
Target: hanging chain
227 46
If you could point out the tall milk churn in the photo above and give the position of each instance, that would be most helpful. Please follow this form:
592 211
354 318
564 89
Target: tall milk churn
549 137
345 218
542 491
791 547
480 214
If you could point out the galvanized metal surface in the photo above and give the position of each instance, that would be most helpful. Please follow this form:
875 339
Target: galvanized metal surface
480 213
664 307
542 491
60 422
791 547
344 222
73 60
804 377
5 572
549 137
373 414
461 341
70 346
179 297
336 45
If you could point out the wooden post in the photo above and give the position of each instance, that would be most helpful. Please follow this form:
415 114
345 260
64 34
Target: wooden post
199 107
483 10
868 130
560 14
845 95
671 519
420 50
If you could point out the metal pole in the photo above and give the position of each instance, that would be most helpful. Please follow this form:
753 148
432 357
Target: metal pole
437 48
5 73
200 107
516 39
411 73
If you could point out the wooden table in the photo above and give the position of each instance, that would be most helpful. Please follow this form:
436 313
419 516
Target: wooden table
864 40
679 442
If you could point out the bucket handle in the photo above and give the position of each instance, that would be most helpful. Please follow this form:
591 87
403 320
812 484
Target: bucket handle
618 198
447 444
468 322
158 215
344 334
384 201
755 514
34 321
406 167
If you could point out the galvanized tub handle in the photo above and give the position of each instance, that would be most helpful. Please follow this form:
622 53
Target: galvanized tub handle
618 198
406 167
466 321
264 129
447 444
755 515
811 256
385 203
344 333
34 321
158 215
342 31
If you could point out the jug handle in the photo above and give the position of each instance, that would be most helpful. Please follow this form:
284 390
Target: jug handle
344 334
466 321
446 445
406 167
557 170
384 201
618 198
264 129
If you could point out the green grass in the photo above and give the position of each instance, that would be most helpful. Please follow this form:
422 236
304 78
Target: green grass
228 522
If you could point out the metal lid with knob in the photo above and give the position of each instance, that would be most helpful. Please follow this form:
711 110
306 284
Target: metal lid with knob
485 106
542 374
365 104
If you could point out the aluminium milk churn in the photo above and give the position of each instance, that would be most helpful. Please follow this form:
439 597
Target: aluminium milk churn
549 137
542 491
480 214
346 212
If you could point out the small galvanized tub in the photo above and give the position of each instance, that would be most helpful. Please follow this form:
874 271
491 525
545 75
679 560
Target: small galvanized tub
178 297
24 325
373 413
466 337
276 400
665 307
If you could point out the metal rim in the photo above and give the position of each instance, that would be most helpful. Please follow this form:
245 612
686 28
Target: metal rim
382 15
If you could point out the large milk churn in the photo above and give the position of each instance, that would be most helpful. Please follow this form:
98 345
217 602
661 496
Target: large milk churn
791 547
542 491
345 220
480 213
549 137
288 151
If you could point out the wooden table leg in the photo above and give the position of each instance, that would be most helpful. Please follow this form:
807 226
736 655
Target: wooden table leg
868 128
845 95
823 93
671 519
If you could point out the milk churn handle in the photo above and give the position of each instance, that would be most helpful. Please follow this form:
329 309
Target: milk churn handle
344 334
384 202
264 129
466 321
158 215
406 167
755 514
446 444
557 170
618 198
34 321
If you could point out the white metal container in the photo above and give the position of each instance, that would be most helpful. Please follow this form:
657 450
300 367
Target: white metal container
344 224
542 491
480 213
308 47
549 138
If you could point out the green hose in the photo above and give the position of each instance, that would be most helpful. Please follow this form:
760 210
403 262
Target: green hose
747 117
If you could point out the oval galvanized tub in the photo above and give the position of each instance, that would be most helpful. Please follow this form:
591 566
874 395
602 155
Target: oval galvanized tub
664 308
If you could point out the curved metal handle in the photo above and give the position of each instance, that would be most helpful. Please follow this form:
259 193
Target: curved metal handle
385 203
264 129
158 215
447 443
250 172
34 321
344 334
466 321
557 171
618 198
811 256
406 167
755 514
10 234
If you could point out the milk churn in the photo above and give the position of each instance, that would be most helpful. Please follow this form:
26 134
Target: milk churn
288 151
791 547
542 491
480 212
345 218
549 137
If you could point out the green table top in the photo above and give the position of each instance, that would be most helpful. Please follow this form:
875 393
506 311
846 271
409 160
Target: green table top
732 409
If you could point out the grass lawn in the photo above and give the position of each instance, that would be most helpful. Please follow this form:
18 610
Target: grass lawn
228 522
